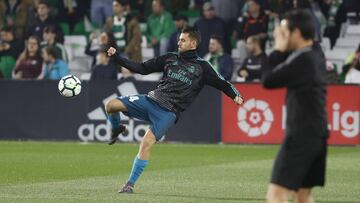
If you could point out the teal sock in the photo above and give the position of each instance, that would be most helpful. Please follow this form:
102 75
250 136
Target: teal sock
138 167
114 119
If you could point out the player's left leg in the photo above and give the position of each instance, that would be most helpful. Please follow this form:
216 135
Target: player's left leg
277 194
113 109
303 195
140 162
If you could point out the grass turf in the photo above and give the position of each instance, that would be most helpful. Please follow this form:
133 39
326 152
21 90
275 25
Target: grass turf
73 172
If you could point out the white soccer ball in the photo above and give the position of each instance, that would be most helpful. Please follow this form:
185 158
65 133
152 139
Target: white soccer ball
69 86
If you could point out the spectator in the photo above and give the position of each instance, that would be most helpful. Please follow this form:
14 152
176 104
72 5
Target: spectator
331 74
72 12
160 25
29 63
251 67
220 61
209 24
100 11
13 13
104 70
42 20
353 75
50 39
254 22
105 41
126 30
181 22
335 14
53 68
228 10
10 49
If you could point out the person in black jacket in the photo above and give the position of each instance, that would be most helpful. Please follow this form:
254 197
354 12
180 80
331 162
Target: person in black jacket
299 65
104 70
184 75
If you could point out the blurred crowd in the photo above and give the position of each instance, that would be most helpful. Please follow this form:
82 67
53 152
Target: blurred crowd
32 33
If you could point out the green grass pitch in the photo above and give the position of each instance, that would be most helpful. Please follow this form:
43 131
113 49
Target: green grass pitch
73 172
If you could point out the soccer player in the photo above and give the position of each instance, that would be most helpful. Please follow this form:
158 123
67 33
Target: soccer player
184 75
299 65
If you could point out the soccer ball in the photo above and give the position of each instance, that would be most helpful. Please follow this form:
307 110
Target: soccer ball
69 86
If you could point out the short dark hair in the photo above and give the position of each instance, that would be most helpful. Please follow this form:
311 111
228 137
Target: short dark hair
182 17
301 19
123 2
161 2
217 38
258 39
46 3
50 50
50 29
194 34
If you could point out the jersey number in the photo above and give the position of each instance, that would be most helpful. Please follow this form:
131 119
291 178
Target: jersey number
133 98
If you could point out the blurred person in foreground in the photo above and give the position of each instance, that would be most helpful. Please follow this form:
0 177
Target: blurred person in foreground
299 64
185 74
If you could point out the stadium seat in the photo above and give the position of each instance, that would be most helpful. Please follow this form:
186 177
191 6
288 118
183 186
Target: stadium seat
77 44
338 57
80 65
325 43
150 77
143 41
353 31
147 53
348 42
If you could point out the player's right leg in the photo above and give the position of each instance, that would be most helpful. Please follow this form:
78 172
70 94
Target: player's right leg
303 195
277 194
113 109
140 162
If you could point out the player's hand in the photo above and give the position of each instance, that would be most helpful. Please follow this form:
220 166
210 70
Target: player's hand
111 51
238 100
281 37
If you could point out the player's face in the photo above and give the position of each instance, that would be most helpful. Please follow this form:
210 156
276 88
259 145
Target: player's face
185 43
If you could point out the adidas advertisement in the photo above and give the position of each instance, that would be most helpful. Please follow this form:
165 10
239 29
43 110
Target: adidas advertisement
34 110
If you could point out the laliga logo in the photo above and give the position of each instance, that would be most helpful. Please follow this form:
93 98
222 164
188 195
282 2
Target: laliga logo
255 118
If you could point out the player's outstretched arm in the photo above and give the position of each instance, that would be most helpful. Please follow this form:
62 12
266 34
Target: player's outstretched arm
144 68
217 81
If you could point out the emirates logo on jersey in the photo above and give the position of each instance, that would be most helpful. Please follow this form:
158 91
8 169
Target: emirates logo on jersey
255 118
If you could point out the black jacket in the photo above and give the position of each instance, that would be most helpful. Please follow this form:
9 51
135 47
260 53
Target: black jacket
184 76
303 73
